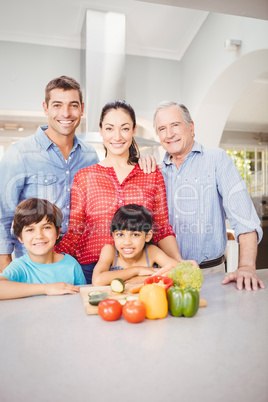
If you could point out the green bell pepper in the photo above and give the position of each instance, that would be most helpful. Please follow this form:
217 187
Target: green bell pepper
182 301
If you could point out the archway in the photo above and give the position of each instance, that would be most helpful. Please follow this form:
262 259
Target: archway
214 110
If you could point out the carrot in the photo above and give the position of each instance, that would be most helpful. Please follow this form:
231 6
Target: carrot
202 302
136 288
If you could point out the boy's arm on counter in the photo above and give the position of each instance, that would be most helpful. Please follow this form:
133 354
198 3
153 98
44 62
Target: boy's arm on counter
17 290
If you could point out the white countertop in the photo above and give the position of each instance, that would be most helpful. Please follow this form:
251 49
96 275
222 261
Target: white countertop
52 351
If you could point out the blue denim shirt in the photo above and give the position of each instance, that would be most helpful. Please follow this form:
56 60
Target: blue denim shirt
35 167
205 190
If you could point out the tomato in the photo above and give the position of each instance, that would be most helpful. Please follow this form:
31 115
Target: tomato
110 309
134 311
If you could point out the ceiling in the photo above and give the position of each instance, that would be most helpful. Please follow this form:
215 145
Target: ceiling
159 28
151 29
154 28
244 8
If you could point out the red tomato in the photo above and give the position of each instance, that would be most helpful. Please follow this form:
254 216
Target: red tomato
134 311
110 309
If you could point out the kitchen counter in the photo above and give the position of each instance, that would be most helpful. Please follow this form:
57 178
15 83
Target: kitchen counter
52 351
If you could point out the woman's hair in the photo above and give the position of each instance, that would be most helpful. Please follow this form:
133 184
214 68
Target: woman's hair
33 210
134 153
184 111
65 83
132 217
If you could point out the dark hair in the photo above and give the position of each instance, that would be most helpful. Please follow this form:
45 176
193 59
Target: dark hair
132 217
33 210
134 153
65 83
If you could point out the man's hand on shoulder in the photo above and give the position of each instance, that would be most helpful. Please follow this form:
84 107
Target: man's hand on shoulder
5 260
148 164
244 277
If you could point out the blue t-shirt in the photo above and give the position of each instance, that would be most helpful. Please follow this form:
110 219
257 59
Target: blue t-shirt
23 269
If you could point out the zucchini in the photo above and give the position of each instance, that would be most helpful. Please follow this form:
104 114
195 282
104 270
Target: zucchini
96 297
96 292
117 285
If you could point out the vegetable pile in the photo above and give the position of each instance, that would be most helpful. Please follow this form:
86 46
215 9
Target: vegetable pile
177 292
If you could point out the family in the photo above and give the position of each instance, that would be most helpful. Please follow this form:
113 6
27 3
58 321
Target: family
70 219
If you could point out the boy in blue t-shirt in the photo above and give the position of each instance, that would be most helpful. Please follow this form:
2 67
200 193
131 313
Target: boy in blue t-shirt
37 224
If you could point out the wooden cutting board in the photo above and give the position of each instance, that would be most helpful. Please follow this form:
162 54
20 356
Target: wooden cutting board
84 291
90 310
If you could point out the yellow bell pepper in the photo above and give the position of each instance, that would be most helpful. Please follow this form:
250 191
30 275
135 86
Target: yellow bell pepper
155 299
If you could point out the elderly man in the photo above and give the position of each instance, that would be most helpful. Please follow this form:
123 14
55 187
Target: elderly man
203 188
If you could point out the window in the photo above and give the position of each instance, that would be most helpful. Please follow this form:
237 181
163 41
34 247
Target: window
252 164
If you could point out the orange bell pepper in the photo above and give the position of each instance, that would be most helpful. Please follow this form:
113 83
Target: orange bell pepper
155 299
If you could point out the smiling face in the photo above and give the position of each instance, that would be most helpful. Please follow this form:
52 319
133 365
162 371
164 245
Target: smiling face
117 132
39 239
176 136
130 244
64 112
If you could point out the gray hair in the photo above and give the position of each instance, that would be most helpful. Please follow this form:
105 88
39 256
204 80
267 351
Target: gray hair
184 111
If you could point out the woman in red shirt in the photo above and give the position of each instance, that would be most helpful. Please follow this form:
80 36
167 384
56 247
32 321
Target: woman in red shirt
99 190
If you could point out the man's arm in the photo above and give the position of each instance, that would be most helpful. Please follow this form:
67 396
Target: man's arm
12 173
245 275
248 250
170 247
5 260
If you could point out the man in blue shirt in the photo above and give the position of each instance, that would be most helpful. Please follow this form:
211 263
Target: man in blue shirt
203 188
44 164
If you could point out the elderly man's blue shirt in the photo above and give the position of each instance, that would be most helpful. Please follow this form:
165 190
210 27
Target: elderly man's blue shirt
205 190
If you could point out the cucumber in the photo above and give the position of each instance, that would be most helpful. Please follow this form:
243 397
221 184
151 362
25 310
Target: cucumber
122 301
132 297
117 285
96 297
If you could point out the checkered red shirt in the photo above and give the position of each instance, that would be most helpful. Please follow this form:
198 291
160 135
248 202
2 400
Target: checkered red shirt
96 196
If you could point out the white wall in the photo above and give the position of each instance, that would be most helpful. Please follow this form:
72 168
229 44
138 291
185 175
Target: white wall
25 69
150 81
213 79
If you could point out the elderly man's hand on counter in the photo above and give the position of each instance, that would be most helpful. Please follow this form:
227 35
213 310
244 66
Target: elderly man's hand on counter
244 276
